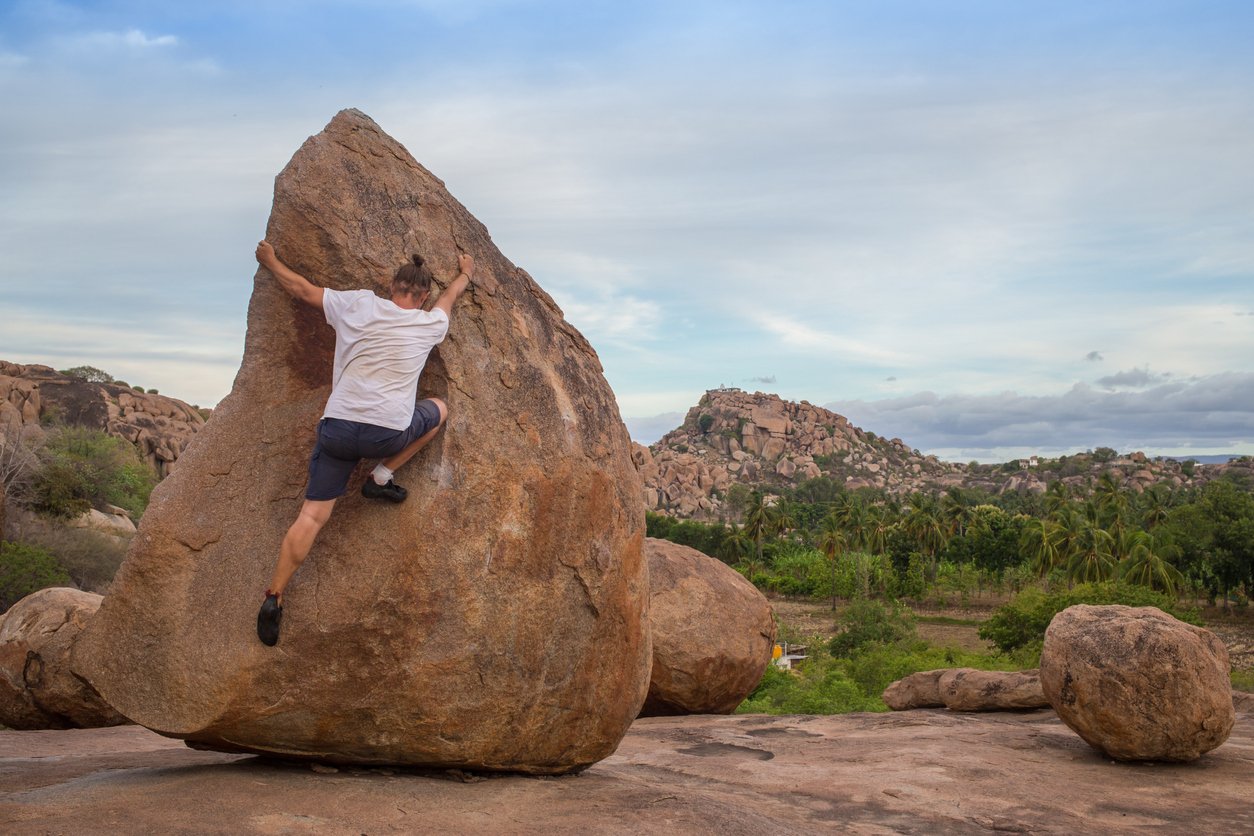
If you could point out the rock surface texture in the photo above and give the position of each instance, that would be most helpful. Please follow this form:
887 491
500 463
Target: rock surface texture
1136 683
497 619
713 633
967 689
926 772
37 689
159 427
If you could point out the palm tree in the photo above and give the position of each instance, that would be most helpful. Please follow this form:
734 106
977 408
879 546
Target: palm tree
955 508
783 518
832 542
759 520
1042 542
736 545
875 529
1057 497
1112 500
1092 556
923 523
1157 502
1146 564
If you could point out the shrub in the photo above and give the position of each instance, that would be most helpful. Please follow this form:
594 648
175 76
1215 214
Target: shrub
83 468
91 374
25 569
90 558
705 422
866 621
1021 623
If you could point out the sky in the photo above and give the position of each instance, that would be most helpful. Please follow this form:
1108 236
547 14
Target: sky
986 228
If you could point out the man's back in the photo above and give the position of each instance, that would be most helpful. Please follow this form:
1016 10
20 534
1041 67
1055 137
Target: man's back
380 351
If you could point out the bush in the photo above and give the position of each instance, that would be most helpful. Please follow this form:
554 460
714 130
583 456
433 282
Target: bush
1021 623
91 374
83 468
705 422
25 569
865 622
90 558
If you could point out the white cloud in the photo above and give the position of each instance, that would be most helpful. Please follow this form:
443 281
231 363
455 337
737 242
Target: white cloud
128 39
1214 413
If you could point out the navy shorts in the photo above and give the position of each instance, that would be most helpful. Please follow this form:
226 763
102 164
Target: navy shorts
342 444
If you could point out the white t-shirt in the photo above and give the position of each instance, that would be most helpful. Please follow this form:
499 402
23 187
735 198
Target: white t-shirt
380 350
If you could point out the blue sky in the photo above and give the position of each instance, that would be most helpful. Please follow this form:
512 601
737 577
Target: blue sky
985 227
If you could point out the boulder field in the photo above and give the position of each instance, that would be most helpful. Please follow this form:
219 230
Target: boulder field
495 620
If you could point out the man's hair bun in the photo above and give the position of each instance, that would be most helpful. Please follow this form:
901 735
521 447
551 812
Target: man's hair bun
417 260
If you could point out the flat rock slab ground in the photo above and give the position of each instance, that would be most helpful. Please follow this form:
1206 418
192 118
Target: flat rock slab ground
913 772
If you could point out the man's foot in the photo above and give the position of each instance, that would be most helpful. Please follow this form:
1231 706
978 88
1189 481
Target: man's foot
268 620
392 492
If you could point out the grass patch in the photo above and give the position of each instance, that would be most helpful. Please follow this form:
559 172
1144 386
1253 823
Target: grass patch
948 620
1243 680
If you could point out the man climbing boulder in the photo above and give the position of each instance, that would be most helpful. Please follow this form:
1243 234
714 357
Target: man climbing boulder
381 346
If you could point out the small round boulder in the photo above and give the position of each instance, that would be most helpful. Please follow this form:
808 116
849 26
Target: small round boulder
1137 683
713 633
37 688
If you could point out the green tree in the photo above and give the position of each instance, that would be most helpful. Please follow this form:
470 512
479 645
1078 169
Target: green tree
25 569
832 542
1146 564
81 468
91 374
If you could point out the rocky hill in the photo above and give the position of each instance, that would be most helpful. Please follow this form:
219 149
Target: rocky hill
754 439
158 426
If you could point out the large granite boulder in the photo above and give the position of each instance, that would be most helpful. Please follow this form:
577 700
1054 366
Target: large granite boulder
495 620
966 689
1136 683
713 633
37 689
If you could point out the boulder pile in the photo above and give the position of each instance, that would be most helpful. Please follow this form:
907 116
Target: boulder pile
1137 683
497 619
158 426
713 633
37 688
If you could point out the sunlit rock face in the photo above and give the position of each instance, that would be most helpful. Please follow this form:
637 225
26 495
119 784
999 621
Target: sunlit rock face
495 620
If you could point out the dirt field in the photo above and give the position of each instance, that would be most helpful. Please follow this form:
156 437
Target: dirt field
803 619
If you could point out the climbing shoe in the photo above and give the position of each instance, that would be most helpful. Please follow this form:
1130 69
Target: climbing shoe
268 620
392 492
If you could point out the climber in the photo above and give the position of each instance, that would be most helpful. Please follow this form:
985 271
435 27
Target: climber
380 348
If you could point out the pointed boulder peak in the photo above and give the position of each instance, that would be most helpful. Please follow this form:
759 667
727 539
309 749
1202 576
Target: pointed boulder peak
494 620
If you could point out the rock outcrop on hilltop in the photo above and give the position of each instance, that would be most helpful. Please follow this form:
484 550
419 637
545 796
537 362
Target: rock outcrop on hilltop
158 426
497 619
732 437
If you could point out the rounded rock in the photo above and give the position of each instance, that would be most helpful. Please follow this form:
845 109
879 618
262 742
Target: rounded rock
713 633
37 689
1137 683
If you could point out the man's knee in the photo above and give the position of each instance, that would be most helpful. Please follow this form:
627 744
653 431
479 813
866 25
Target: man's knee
443 408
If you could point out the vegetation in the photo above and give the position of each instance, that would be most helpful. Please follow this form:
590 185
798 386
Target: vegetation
1022 622
1173 549
877 646
80 469
25 569
961 545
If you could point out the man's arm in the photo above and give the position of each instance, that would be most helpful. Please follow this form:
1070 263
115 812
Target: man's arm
449 297
291 281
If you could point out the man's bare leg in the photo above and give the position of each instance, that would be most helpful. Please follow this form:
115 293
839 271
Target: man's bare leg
298 541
